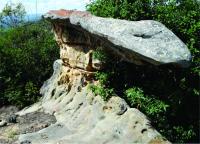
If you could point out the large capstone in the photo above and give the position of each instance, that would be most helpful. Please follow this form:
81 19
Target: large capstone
140 42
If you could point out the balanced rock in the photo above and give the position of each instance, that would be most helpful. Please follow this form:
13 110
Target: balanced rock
147 41
82 117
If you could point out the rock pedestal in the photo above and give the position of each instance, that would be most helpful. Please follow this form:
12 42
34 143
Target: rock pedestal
82 117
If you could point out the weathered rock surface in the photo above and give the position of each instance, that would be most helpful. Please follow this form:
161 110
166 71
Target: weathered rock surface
16 125
83 118
3 123
134 41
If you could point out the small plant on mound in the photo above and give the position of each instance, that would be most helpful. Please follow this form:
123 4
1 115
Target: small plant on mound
99 54
102 88
104 92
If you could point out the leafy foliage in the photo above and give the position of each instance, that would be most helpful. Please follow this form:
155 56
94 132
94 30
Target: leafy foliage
103 91
185 134
149 105
102 77
99 54
26 56
102 88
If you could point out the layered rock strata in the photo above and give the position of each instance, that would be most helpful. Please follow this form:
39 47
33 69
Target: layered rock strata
82 117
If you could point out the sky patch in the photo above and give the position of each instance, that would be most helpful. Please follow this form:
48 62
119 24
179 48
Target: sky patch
44 6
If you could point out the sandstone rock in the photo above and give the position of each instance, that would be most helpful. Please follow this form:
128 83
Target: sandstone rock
85 118
82 117
134 41
31 122
3 123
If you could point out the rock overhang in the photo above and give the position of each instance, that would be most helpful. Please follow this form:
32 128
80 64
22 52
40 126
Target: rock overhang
135 41
80 114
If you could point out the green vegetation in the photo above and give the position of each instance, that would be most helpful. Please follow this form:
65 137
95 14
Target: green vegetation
26 56
149 105
12 134
99 54
169 96
27 51
102 88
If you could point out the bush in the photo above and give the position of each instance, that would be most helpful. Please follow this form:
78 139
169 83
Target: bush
100 55
102 89
26 56
149 105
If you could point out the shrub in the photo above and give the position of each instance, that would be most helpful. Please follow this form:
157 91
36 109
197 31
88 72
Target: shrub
99 54
102 88
149 105
102 91
26 56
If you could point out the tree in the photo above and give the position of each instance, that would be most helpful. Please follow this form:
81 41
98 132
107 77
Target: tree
12 15
26 56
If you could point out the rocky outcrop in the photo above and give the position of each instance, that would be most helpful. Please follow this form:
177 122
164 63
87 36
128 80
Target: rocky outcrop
11 125
82 117
134 41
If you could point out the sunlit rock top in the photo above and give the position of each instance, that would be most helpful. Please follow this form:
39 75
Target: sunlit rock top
139 42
